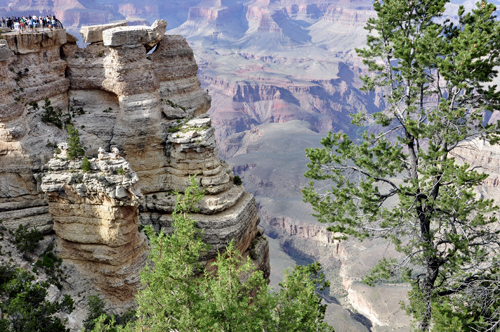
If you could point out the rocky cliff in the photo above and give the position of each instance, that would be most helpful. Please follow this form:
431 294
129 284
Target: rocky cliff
132 90
96 216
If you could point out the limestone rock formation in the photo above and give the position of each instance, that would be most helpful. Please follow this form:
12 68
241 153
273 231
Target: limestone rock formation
93 33
135 36
5 52
96 217
148 106
32 72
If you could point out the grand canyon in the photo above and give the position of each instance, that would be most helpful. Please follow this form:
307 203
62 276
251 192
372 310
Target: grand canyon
274 76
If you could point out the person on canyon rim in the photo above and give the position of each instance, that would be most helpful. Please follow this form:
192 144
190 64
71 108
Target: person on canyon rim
29 23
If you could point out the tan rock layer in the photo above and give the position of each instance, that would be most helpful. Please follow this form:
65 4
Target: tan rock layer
96 224
33 72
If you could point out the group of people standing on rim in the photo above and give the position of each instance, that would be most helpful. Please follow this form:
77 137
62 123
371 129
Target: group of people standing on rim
29 23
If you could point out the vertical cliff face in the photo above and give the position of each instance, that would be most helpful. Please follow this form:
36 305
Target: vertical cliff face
30 70
147 105
96 216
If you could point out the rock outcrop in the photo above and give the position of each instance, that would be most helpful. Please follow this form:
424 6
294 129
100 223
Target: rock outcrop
96 215
148 106
93 33
32 72
135 36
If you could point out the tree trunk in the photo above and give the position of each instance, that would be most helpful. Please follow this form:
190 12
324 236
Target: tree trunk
432 267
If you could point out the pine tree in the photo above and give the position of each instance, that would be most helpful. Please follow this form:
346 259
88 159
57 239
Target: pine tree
86 166
180 295
75 149
24 304
402 180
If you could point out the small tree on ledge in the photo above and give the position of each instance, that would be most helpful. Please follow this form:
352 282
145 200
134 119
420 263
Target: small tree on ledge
75 149
86 166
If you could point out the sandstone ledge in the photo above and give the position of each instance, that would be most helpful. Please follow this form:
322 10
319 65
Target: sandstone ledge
135 36
35 42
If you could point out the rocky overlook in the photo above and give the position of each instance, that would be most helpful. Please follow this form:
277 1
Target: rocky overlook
134 97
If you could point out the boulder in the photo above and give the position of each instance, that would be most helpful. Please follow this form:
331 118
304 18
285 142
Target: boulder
135 36
93 34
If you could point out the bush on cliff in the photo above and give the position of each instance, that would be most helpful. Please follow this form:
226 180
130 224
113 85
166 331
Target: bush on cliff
96 309
25 307
179 295
26 239
86 166
75 149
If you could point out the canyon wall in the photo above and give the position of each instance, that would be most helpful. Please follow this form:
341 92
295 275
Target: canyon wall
147 106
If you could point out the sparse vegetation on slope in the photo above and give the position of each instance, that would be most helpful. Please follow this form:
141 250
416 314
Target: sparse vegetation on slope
24 301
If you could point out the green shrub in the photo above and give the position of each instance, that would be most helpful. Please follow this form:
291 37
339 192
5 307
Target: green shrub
25 239
51 264
177 297
120 171
96 309
25 306
237 180
86 167
34 105
51 116
174 105
75 149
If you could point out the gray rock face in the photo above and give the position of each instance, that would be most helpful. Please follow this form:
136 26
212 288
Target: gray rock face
135 36
35 42
5 53
93 34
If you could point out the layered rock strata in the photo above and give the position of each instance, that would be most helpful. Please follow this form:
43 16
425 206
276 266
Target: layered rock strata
96 218
32 70
148 105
